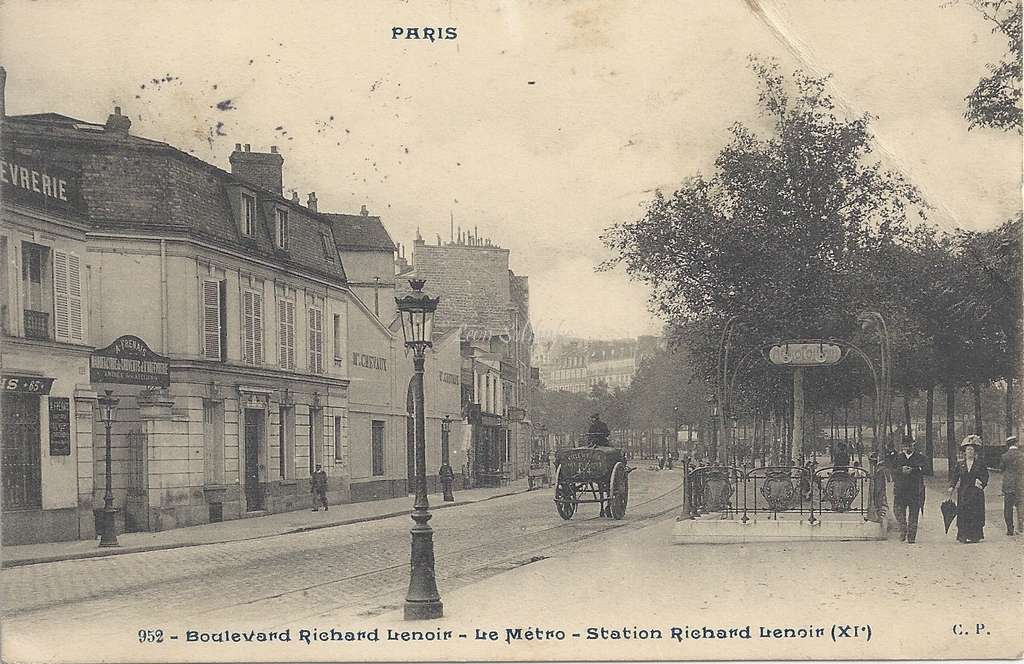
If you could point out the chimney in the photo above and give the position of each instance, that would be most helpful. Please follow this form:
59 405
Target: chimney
295 197
311 201
263 169
363 211
117 123
3 92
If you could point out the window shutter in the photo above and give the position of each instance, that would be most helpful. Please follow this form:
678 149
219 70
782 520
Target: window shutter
257 328
316 337
61 304
286 316
211 320
247 327
291 334
75 313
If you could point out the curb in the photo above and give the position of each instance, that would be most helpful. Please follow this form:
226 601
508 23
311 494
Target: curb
103 553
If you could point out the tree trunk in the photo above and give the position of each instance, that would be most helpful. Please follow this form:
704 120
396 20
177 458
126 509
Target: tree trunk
950 429
979 427
929 447
907 426
1010 429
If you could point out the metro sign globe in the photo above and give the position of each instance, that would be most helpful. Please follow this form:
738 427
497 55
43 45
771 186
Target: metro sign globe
805 354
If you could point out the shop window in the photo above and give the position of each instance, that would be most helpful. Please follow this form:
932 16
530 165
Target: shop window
213 442
286 443
377 447
214 319
286 333
22 476
339 441
252 327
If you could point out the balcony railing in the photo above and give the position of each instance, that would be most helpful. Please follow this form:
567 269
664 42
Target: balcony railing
37 325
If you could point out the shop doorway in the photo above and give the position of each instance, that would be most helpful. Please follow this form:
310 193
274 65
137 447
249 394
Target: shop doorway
253 439
22 476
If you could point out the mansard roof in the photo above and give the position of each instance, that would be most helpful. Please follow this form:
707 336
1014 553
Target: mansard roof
357 232
129 183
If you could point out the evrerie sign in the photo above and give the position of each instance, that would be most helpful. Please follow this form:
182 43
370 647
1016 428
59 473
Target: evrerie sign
128 360
34 183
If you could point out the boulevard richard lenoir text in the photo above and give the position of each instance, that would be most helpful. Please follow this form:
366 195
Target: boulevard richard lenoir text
510 635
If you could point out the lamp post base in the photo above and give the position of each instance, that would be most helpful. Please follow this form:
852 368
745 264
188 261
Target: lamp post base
423 610
107 527
422 602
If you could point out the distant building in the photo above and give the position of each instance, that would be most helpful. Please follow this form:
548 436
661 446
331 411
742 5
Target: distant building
577 365
489 304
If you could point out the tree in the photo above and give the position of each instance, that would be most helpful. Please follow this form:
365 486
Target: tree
783 234
996 100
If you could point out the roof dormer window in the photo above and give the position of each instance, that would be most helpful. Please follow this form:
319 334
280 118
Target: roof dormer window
248 215
328 249
281 228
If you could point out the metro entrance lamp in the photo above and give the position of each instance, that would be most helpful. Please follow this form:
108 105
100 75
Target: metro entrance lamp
108 529
422 602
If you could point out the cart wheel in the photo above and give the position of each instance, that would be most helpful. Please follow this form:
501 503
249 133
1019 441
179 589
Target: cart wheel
619 493
565 496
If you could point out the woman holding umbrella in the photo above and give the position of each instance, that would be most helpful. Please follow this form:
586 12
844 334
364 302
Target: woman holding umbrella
969 479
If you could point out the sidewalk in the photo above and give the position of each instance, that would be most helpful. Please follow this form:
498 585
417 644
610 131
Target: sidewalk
238 530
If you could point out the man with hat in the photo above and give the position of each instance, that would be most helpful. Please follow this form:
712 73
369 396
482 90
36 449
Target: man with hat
1013 486
908 488
597 435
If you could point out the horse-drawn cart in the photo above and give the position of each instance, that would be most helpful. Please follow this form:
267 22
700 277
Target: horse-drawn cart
591 475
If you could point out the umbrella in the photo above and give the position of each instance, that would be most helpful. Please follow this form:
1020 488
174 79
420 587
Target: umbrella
948 508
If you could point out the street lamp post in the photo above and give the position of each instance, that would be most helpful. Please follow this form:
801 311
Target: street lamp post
446 473
422 602
108 528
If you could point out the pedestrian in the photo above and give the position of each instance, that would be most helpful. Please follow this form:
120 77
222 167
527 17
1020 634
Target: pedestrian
318 487
908 489
969 480
1012 465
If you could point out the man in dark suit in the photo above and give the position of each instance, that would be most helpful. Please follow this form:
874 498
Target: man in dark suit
908 488
1013 486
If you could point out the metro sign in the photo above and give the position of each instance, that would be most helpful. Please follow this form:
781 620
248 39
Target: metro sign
805 354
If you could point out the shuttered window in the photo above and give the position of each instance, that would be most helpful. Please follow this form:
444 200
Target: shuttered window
68 323
286 332
316 341
252 327
213 319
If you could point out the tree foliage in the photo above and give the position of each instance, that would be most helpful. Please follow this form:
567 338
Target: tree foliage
996 100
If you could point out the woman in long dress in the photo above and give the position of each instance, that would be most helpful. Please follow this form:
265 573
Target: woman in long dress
969 480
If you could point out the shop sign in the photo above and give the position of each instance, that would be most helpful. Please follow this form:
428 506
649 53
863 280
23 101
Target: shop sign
28 384
449 378
805 354
128 360
38 184
369 362
60 426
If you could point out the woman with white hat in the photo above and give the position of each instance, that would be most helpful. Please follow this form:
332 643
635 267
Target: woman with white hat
969 479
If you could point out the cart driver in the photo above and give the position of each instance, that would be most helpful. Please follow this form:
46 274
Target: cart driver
597 435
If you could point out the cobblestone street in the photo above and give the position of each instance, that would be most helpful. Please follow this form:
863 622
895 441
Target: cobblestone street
357 569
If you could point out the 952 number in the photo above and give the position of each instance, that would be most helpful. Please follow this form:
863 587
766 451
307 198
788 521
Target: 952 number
151 636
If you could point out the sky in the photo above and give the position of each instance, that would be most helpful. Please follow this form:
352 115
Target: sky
540 125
